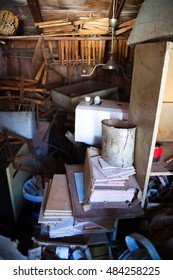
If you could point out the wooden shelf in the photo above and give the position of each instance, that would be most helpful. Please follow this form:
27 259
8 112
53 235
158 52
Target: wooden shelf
161 167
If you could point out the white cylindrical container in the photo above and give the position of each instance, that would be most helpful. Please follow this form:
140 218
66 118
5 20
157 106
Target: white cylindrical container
118 142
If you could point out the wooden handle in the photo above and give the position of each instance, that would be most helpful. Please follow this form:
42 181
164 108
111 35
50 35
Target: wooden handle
59 52
89 52
83 52
97 51
100 51
73 51
69 52
66 51
76 51
94 52
51 50
86 52
62 52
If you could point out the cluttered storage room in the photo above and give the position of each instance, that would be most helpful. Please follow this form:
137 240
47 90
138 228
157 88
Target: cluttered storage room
86 130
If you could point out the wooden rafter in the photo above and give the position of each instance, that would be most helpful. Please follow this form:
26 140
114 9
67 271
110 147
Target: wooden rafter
35 10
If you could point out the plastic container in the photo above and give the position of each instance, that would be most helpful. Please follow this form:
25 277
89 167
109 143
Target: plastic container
33 205
157 151
28 196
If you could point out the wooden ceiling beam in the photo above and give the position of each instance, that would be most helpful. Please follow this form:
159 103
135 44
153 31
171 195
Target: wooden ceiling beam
35 10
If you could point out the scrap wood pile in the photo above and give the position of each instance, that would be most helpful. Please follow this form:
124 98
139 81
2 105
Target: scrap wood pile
107 185
93 24
82 25
55 26
18 91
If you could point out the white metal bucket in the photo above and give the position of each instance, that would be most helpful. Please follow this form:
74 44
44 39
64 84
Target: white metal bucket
118 142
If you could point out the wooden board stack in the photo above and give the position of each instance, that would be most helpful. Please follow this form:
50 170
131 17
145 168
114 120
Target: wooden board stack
93 26
57 202
56 212
107 183
55 26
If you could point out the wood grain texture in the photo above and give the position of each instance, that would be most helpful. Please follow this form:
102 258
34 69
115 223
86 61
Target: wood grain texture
145 105
58 199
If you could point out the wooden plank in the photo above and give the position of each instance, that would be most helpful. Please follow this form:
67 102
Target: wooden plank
165 129
15 81
26 89
62 52
56 36
34 101
110 172
119 50
44 52
86 52
100 51
89 52
93 52
35 10
21 89
66 51
119 8
40 71
56 24
82 50
126 50
51 50
55 30
97 51
43 23
168 94
59 52
37 48
103 49
44 79
123 30
59 198
147 97
123 52
100 21
94 31
127 23
76 52
98 28
69 52
73 52
88 175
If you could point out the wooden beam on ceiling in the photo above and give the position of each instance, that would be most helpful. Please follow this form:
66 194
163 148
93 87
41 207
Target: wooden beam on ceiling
35 10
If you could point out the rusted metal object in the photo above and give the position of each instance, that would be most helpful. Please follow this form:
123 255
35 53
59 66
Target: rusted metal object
118 142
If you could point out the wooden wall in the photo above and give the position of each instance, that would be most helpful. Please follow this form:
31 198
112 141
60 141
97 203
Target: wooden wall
63 64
